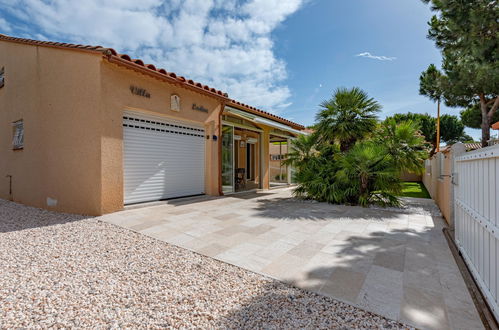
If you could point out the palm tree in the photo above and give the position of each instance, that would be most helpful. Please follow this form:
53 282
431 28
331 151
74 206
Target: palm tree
369 175
349 116
302 148
430 84
404 143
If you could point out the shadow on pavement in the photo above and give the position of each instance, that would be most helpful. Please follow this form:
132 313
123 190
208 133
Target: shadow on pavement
289 208
405 284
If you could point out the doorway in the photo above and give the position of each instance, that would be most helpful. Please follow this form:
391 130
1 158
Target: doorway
280 173
240 159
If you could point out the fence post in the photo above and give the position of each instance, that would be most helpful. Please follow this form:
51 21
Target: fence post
457 149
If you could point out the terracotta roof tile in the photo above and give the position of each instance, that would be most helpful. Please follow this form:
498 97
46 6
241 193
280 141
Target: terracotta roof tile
123 59
53 43
495 126
472 146
267 114
468 146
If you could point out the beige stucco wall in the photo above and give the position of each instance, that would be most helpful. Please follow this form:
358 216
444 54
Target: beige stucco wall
438 183
117 97
72 105
430 177
444 187
56 92
413 177
266 158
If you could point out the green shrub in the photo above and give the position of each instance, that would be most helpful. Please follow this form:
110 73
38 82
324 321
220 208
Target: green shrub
364 175
361 170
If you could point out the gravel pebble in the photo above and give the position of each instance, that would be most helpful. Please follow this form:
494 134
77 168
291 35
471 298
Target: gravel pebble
68 271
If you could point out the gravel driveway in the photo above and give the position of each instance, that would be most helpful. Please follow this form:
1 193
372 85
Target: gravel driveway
59 270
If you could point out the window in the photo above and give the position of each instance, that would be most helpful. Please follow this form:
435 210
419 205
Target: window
18 139
2 78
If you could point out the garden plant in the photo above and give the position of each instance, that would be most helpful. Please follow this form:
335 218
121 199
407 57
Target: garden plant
353 158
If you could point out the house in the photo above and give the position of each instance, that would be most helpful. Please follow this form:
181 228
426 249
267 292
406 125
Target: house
86 130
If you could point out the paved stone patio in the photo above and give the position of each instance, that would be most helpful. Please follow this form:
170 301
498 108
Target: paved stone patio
392 262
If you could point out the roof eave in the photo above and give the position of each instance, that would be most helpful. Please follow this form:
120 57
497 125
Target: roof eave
258 112
137 65
82 48
142 69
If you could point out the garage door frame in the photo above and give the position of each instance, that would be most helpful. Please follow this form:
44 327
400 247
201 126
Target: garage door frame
163 158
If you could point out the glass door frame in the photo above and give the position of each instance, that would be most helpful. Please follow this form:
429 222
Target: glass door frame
232 187
289 172
260 147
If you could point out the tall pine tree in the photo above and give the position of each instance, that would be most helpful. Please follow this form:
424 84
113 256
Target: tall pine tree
467 33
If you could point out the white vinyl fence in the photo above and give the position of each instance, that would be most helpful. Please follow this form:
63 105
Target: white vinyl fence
476 194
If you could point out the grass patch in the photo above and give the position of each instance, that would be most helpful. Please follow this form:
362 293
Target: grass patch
414 189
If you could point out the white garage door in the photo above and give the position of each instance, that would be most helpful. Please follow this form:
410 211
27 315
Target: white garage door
163 158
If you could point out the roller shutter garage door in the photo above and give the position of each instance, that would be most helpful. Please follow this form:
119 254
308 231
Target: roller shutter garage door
163 158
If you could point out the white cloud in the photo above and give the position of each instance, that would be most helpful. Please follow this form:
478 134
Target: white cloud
375 57
224 43
4 26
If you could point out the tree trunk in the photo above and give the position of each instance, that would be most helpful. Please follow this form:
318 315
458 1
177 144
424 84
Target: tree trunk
485 122
363 184
433 149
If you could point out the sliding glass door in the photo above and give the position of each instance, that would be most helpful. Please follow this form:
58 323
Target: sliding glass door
227 159
279 172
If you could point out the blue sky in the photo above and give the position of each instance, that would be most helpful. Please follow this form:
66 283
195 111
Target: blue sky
284 56
321 40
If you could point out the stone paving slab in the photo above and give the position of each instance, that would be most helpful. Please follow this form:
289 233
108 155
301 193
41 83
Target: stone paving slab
393 262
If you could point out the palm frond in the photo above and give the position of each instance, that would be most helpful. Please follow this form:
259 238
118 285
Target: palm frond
348 116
